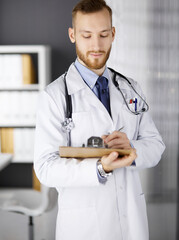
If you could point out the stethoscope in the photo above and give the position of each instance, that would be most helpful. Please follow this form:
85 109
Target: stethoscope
115 82
68 124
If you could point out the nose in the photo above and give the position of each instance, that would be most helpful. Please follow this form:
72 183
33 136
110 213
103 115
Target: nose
96 43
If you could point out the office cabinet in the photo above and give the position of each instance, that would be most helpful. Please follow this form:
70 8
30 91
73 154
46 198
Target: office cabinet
24 72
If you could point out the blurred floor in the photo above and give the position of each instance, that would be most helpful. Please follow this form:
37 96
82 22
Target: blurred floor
14 226
162 221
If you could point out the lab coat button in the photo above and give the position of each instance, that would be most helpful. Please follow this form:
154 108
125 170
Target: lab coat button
121 188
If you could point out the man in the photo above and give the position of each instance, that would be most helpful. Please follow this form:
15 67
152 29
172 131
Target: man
99 199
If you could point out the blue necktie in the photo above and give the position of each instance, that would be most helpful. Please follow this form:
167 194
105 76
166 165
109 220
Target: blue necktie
103 92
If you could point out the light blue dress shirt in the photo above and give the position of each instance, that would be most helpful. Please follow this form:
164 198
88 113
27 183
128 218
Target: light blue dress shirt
89 76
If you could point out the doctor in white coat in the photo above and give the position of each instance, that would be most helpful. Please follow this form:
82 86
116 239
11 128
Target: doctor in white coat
93 205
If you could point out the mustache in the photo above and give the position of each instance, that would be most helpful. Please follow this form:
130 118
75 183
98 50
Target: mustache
100 51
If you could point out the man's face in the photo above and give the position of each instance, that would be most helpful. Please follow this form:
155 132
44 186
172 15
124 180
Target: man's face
93 36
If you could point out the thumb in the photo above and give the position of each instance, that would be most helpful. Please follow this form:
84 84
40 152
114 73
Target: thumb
110 158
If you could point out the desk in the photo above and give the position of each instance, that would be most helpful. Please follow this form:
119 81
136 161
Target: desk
5 159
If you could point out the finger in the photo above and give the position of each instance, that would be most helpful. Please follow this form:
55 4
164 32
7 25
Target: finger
124 161
107 160
110 158
112 136
134 151
121 146
115 134
130 158
104 136
119 143
115 141
119 163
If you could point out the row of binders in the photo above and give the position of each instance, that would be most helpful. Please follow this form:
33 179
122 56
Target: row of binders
18 107
16 70
19 142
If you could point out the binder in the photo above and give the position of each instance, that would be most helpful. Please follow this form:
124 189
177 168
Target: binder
16 70
7 140
35 182
28 69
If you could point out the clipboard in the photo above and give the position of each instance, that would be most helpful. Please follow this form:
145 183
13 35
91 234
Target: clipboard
90 152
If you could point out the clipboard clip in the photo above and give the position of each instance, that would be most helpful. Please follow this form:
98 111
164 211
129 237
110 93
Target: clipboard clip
95 142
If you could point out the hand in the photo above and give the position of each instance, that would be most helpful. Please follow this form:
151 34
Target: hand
117 139
112 161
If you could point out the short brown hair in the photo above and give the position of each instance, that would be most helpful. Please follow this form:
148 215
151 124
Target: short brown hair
90 6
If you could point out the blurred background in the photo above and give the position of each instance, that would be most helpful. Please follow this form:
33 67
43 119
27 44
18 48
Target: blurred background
146 49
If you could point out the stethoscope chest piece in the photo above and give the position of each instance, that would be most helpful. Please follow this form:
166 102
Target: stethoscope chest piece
68 125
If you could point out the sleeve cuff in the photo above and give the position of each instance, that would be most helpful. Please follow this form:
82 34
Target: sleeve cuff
100 178
133 163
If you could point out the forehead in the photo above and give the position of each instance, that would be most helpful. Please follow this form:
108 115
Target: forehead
93 21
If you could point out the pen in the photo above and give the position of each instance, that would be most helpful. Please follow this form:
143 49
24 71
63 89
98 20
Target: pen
120 129
117 130
135 104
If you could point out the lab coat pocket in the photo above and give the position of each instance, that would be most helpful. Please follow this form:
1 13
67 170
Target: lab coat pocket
77 223
132 104
83 128
143 212
142 201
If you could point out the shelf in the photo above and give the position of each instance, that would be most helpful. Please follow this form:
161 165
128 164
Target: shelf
5 159
18 100
30 87
43 60
23 48
22 161
17 125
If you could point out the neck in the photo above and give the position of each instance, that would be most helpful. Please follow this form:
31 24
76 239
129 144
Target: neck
99 72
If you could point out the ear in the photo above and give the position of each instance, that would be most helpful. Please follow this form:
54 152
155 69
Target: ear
113 33
71 34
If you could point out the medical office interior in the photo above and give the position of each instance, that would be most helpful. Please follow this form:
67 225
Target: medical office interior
146 49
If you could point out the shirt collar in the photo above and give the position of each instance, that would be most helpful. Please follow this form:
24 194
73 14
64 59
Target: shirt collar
89 76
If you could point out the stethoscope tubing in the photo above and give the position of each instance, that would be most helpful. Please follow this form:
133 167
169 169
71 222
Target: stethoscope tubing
68 124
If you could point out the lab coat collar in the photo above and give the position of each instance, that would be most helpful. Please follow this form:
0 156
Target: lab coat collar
74 80
75 83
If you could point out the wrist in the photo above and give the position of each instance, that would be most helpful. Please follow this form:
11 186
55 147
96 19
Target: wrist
103 172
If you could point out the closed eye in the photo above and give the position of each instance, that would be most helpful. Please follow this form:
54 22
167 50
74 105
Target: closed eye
104 36
86 36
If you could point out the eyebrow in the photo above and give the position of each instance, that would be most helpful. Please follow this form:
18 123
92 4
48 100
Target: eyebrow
86 31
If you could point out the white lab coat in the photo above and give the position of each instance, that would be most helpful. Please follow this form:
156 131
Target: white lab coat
89 210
